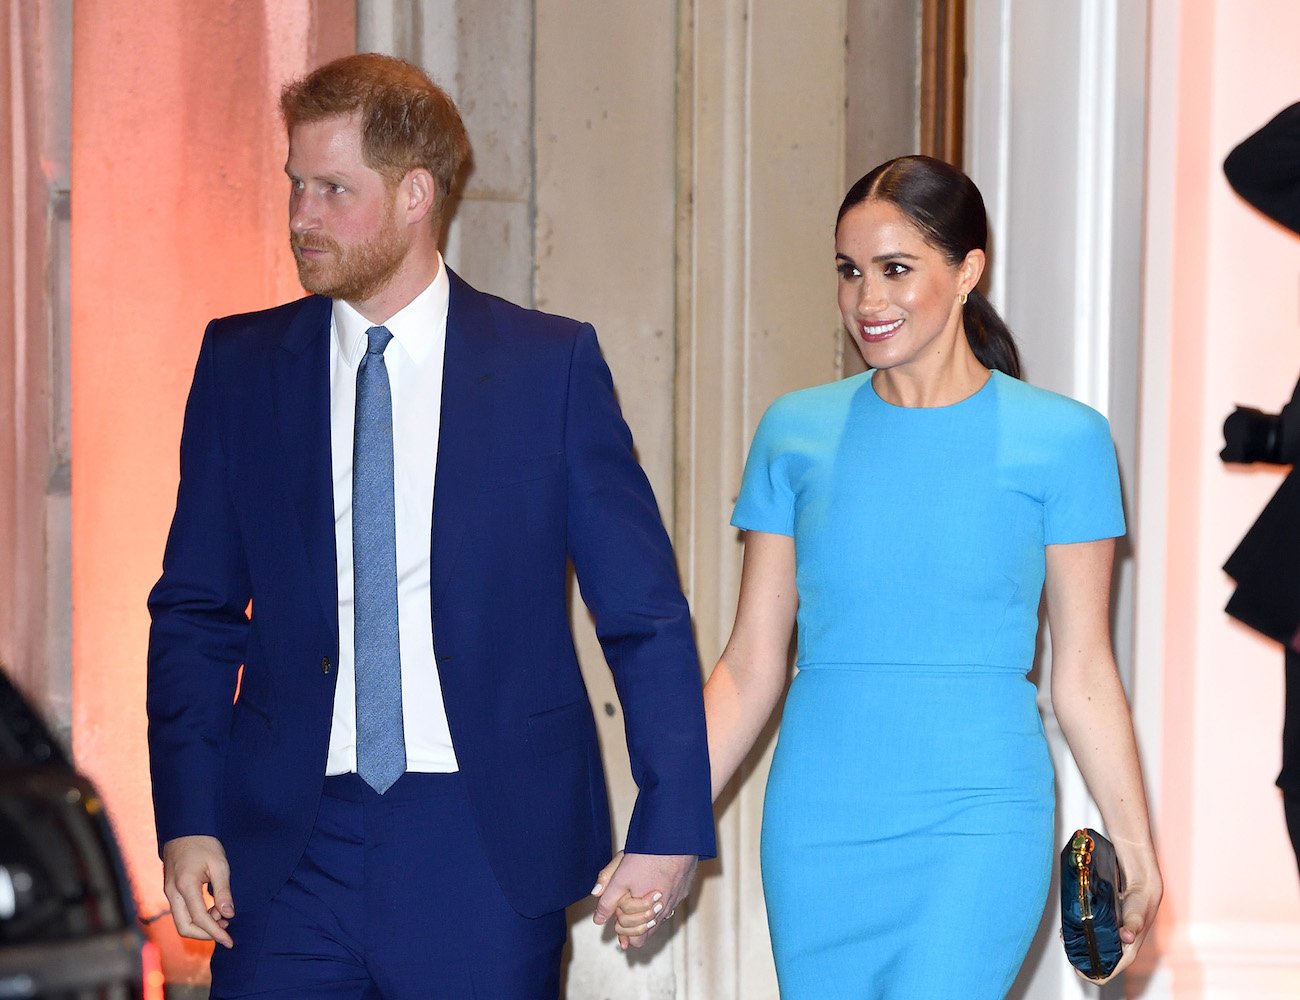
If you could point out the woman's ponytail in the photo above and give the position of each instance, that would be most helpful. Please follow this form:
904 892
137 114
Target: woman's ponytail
989 337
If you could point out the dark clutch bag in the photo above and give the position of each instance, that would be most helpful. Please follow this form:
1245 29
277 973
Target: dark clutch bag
1091 883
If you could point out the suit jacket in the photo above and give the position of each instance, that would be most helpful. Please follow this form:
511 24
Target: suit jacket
1264 168
1266 567
535 470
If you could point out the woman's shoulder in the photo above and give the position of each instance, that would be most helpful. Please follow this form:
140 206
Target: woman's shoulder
1034 408
815 401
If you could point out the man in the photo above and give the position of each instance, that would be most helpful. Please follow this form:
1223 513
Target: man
1264 168
381 487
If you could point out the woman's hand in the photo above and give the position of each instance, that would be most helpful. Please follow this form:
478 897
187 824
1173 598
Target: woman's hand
634 916
1143 889
638 916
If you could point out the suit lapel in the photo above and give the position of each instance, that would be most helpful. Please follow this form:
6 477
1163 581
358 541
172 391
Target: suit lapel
302 418
469 383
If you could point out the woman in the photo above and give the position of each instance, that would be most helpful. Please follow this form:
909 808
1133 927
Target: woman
909 517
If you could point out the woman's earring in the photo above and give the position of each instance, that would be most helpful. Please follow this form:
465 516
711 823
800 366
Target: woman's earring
962 298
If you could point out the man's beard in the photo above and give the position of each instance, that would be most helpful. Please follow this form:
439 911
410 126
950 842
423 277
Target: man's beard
354 274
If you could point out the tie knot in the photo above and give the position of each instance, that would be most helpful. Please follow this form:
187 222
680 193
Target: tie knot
379 338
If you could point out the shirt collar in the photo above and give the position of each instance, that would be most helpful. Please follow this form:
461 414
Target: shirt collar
418 327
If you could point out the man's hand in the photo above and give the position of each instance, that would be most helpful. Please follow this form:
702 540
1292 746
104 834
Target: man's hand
664 878
190 864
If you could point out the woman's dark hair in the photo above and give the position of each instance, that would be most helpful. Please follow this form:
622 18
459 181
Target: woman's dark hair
945 206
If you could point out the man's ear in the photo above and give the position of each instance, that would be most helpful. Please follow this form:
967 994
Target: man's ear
418 196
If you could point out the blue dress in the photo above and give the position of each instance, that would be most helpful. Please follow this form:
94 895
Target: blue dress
908 824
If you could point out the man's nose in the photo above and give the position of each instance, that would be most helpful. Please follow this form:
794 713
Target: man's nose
302 213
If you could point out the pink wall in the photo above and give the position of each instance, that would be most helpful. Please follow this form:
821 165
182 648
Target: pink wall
25 318
178 216
1252 320
1231 334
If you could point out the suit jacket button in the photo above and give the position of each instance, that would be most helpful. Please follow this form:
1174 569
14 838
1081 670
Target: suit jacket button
325 665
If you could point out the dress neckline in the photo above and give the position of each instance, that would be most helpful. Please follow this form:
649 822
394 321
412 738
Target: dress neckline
870 375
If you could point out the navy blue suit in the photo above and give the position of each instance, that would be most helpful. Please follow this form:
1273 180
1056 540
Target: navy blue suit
535 469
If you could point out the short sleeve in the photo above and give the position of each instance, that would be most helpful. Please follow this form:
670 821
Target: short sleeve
1082 501
766 501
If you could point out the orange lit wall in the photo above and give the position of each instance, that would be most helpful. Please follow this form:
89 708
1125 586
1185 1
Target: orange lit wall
178 215
1222 327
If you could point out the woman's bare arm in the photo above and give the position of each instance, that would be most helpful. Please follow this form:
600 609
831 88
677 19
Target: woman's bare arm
741 693
1090 705
747 681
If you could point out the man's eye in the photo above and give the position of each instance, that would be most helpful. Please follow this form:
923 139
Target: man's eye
336 188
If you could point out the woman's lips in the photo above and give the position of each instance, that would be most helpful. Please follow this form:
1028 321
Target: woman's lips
875 332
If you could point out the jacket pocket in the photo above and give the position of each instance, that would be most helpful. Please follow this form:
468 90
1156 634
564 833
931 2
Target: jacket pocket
560 728
510 470
245 706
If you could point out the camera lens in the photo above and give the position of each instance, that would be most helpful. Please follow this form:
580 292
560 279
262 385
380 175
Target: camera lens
1251 435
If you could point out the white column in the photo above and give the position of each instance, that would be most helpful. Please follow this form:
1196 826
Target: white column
760 177
1055 119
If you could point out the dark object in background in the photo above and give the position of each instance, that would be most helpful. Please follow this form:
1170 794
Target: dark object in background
68 928
1266 567
1091 883
1252 435
1265 170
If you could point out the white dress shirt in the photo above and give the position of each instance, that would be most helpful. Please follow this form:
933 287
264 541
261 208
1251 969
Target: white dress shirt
414 359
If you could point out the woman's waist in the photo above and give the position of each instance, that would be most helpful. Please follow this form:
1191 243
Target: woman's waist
994 670
963 698
976 724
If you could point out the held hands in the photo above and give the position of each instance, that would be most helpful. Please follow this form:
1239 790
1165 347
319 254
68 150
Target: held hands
642 891
190 864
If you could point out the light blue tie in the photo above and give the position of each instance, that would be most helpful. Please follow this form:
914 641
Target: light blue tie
381 745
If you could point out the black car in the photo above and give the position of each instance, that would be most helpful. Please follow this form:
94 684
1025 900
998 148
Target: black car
68 928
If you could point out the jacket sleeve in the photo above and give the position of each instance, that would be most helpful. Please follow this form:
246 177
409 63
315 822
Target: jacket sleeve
1265 168
200 625
628 579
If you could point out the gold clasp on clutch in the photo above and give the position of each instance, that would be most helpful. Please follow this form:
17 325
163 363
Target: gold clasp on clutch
1081 853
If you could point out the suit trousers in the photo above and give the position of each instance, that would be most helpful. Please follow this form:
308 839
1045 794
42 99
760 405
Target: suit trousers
394 899
1289 779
